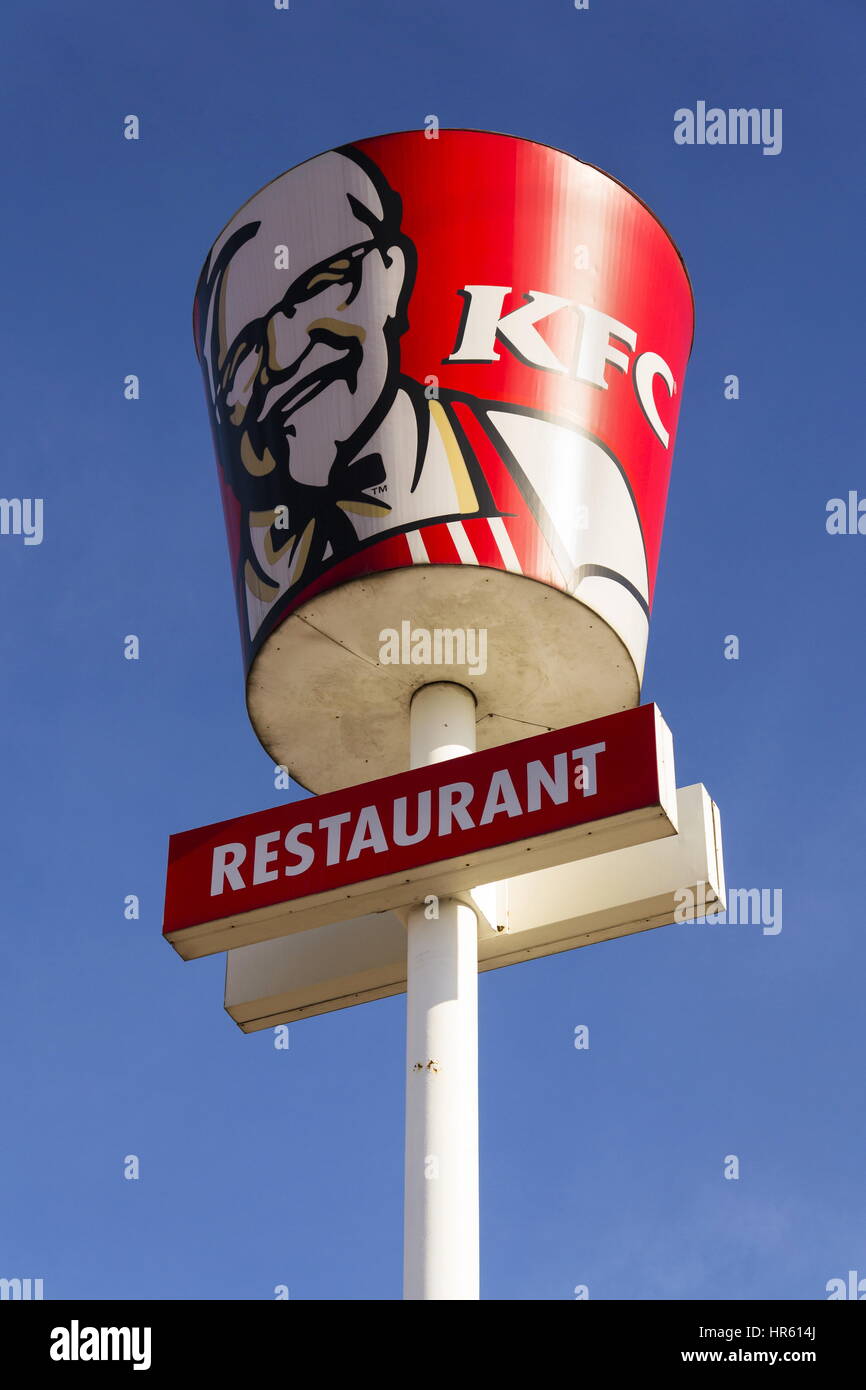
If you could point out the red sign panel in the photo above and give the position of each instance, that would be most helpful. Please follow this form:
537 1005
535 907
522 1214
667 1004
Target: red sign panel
457 816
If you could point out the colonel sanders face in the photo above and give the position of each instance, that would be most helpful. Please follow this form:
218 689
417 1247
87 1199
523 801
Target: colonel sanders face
307 376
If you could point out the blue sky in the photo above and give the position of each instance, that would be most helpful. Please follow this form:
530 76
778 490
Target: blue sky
262 1167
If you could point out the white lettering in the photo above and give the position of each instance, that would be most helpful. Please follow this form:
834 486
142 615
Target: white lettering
484 323
305 853
368 834
587 756
401 835
647 368
453 800
501 796
224 867
596 349
555 786
263 856
334 826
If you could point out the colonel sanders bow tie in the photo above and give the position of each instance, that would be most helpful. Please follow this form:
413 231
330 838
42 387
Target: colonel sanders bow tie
320 517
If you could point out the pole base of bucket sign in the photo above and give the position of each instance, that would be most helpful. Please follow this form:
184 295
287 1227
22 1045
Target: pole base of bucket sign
549 911
440 829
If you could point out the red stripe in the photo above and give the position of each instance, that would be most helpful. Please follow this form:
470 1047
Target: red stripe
439 545
481 539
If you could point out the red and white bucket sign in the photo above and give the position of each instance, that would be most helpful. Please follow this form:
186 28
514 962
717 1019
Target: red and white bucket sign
466 350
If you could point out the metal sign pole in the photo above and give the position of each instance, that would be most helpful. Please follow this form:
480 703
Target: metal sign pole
441 1242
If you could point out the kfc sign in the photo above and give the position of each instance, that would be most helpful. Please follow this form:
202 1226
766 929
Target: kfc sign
461 351
444 828
484 323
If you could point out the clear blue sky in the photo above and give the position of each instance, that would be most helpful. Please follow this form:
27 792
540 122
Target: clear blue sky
261 1167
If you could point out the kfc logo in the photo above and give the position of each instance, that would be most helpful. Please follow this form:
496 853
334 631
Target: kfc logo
484 324
330 447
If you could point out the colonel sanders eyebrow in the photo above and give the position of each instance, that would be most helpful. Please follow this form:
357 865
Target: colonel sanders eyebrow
332 270
339 263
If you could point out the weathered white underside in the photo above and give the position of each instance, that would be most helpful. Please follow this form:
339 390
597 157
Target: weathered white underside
324 706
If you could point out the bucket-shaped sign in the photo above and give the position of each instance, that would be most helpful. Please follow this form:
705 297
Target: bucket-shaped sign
444 376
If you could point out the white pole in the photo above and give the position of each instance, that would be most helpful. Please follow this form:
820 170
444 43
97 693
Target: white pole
440 1250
